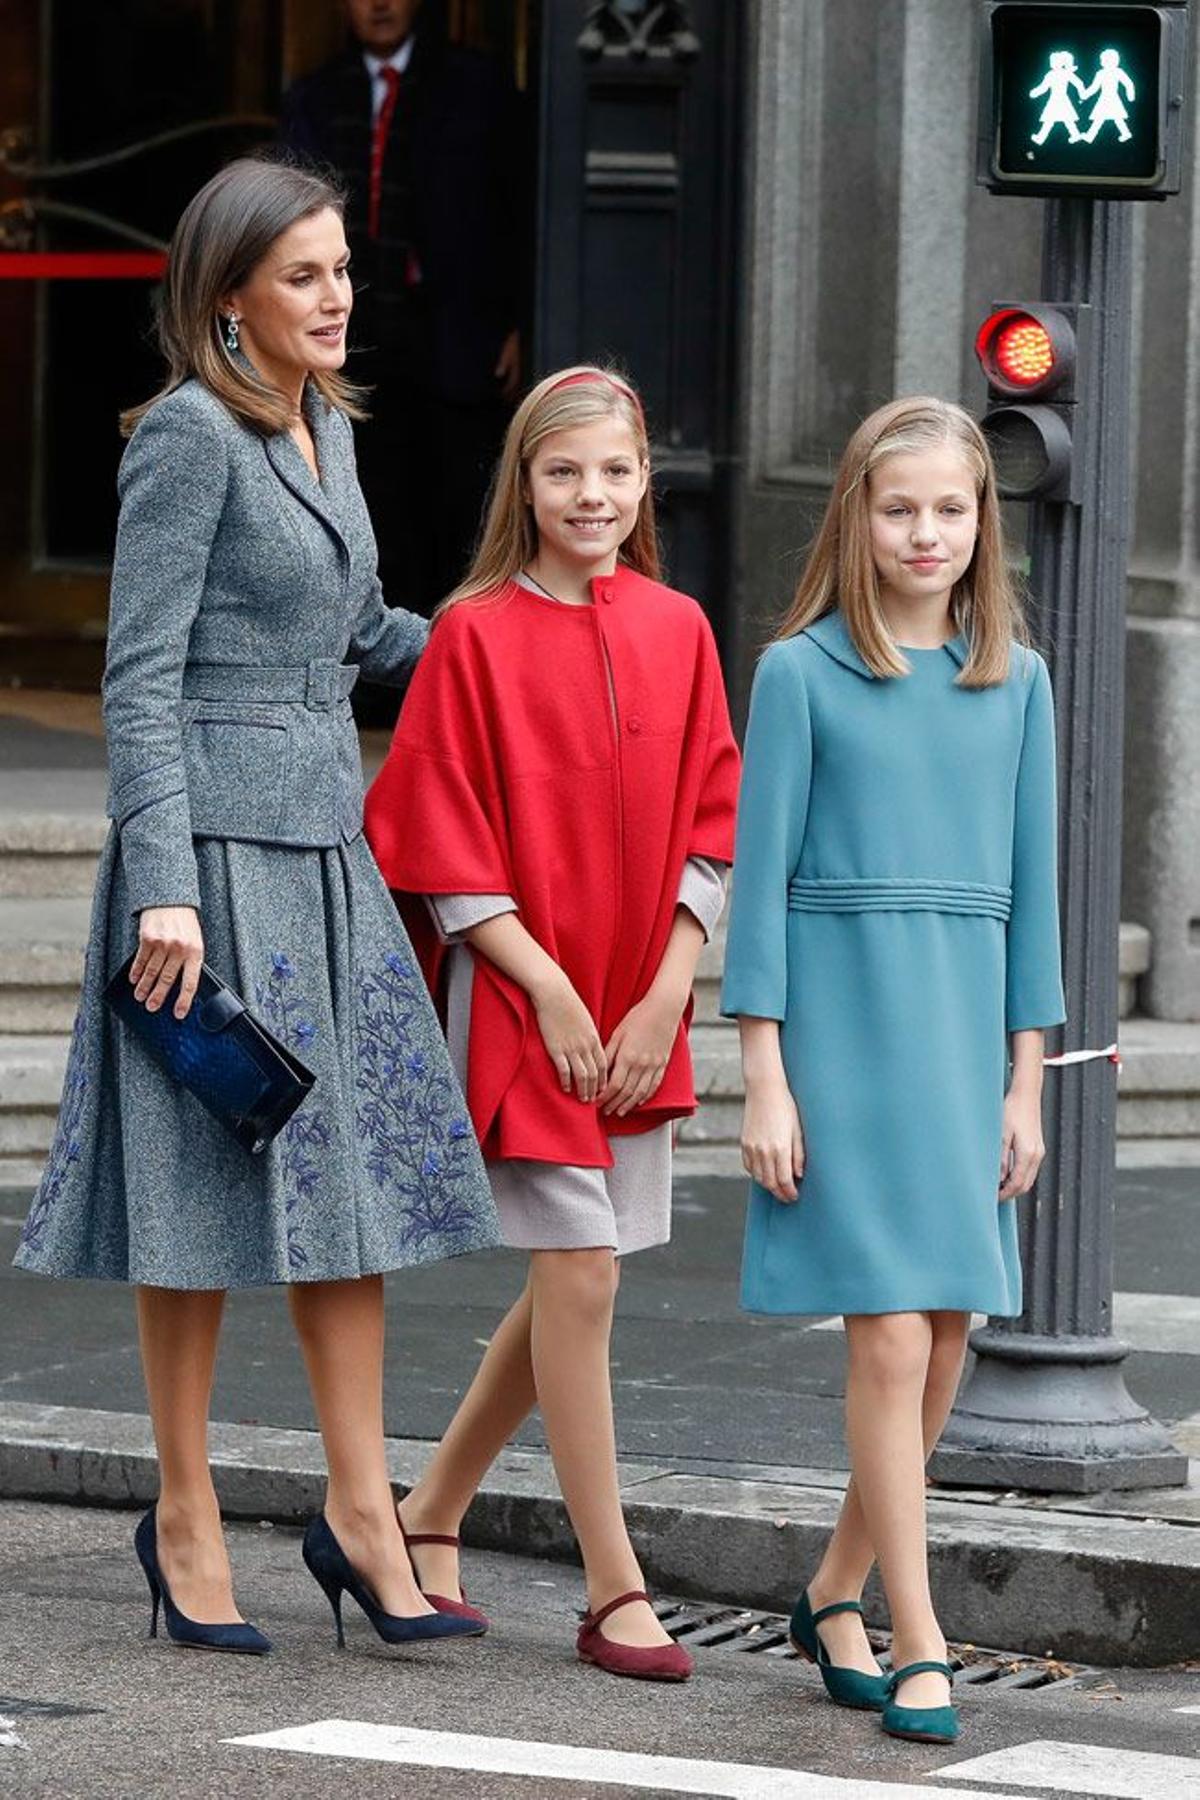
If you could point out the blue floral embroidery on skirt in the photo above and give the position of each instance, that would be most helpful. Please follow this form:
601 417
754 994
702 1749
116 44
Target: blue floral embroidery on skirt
66 1147
410 1112
305 1131
309 1130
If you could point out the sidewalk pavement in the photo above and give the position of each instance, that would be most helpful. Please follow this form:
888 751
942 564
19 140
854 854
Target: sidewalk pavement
729 1429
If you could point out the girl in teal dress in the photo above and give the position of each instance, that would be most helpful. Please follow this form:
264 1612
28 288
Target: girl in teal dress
893 962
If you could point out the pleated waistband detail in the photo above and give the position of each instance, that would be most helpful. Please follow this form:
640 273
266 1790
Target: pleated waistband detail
900 894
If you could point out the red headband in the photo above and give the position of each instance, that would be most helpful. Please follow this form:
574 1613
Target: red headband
594 375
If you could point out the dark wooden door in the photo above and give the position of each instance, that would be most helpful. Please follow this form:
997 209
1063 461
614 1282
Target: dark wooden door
636 244
111 116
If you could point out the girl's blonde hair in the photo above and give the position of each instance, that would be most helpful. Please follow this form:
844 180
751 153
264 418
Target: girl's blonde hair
580 395
223 234
841 572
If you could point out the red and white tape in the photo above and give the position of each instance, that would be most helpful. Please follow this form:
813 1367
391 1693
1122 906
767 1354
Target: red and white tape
1110 1053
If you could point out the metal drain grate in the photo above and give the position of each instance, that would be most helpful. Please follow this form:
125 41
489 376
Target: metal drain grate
709 1626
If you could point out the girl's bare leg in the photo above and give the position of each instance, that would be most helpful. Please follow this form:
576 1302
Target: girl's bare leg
178 1331
889 1356
850 1554
340 1325
499 1399
573 1293
552 1349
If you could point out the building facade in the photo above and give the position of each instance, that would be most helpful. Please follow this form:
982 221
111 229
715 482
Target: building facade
765 208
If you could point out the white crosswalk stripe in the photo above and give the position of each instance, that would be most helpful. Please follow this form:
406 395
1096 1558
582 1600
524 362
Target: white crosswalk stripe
573 1762
1100 1771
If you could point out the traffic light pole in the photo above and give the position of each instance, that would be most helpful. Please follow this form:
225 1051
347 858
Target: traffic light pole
1046 1406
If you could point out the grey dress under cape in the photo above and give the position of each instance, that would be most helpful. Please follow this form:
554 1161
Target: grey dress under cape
244 594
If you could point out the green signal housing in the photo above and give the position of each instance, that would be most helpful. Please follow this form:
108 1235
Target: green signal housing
1079 97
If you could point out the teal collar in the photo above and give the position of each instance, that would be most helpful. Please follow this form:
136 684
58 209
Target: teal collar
832 634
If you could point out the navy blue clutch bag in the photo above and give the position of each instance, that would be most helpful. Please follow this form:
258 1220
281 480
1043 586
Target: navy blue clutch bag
221 1053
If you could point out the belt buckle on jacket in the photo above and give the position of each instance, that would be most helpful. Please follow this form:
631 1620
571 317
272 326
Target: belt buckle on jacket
321 688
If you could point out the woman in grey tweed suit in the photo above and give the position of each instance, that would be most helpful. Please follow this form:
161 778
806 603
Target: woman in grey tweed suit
244 602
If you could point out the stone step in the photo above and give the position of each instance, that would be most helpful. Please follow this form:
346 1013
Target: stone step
41 962
49 854
1158 1096
1134 962
31 1077
1159 1092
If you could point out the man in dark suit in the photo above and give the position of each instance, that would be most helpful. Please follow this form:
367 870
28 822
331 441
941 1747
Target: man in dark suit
431 145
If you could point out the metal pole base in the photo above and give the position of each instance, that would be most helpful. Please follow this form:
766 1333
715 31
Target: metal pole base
1053 1415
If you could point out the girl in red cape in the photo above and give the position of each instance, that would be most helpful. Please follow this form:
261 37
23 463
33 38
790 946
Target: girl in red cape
560 790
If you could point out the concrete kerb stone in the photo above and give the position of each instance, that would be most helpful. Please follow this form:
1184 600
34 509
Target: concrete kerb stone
1115 1591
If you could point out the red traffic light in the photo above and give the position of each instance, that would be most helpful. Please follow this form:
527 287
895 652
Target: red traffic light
1025 351
1032 353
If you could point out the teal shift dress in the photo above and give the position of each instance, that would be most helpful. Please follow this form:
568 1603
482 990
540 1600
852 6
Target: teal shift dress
895 908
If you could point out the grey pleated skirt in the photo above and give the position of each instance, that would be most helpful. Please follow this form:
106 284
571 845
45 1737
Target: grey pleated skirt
378 1170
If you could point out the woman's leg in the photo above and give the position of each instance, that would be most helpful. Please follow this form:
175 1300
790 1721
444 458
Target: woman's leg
850 1553
573 1293
178 1331
499 1399
889 1359
340 1325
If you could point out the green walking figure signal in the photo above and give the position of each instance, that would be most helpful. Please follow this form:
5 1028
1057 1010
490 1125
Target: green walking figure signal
1114 86
1083 97
1059 109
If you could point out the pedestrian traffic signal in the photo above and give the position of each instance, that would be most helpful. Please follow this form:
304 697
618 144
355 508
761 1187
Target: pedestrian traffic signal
1082 98
1033 357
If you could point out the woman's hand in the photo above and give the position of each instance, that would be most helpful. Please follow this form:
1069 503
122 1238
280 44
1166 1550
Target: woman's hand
169 939
1022 1146
570 1036
772 1138
638 1053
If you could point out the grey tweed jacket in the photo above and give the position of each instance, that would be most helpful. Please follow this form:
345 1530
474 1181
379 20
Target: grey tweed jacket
244 602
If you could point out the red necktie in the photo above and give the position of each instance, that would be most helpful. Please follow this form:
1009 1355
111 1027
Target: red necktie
379 138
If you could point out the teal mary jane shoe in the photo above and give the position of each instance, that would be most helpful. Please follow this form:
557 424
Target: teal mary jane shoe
924 1724
846 1687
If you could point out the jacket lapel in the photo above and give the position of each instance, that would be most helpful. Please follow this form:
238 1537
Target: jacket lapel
320 497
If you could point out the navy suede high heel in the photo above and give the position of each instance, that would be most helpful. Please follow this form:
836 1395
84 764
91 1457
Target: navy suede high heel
333 1572
237 1636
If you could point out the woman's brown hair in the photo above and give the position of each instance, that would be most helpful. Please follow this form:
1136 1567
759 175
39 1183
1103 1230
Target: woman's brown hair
581 395
840 571
223 234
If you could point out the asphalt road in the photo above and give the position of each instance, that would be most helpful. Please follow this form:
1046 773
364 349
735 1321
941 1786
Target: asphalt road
123 1716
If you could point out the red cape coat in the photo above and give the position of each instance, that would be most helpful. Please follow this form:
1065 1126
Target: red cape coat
573 757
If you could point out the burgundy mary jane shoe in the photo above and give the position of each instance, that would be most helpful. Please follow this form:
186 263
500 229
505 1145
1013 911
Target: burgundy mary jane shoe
458 1609
644 1662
